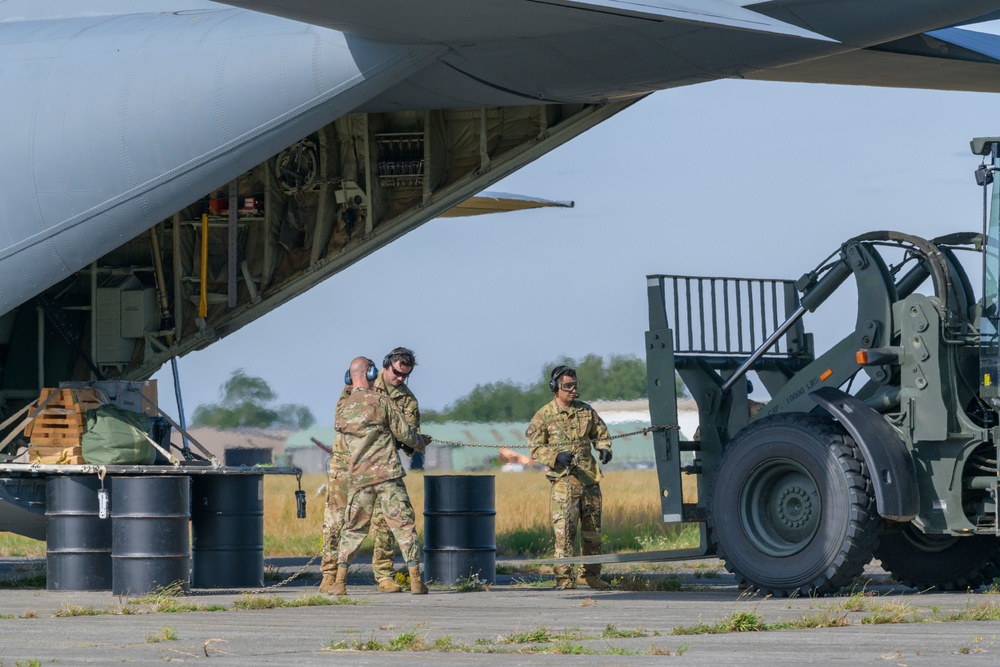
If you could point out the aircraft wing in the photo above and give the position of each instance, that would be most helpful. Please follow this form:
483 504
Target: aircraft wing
456 21
947 59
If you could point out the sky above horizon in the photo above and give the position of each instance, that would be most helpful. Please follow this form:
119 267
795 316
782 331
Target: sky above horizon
729 178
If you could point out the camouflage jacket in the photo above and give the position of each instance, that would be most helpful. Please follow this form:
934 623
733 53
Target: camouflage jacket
404 399
559 426
369 424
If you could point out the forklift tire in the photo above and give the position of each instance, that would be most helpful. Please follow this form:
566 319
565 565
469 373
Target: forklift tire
792 508
939 561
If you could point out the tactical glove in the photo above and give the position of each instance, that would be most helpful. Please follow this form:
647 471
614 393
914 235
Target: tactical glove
605 455
564 458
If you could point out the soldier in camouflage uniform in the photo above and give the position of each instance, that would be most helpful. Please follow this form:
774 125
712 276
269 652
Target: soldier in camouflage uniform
396 368
336 503
561 434
371 425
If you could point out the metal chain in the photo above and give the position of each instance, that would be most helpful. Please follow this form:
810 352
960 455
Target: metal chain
642 431
261 591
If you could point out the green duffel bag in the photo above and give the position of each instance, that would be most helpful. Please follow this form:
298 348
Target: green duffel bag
117 437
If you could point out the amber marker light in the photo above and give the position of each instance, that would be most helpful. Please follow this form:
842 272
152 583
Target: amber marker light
827 373
861 356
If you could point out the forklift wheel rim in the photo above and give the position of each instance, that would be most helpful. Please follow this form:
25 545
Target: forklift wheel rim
780 507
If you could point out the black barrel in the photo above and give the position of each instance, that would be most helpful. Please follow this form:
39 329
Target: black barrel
150 538
77 541
227 531
459 528
247 456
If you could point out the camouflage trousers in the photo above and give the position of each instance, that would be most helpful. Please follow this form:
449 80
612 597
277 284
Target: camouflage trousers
333 522
576 506
392 499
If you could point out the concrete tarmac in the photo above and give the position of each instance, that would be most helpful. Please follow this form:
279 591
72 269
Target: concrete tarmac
485 627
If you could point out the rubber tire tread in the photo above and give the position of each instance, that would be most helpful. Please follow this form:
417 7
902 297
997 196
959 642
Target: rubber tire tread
971 562
862 534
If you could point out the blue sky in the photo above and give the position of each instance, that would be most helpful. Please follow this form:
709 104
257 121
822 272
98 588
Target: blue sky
733 178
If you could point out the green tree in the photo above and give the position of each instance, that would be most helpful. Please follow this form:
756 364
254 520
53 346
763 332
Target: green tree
619 378
246 401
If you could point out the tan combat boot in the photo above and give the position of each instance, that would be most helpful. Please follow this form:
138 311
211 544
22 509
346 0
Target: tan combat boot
417 586
326 586
592 580
340 585
387 585
565 584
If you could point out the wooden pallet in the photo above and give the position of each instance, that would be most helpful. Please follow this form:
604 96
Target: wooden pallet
59 423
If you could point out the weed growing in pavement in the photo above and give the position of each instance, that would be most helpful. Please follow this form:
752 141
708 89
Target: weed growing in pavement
78 610
979 645
882 613
825 618
657 650
472 584
444 644
984 611
161 594
537 636
405 641
250 601
165 635
738 621
613 632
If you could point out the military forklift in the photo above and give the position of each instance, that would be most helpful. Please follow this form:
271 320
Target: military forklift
885 446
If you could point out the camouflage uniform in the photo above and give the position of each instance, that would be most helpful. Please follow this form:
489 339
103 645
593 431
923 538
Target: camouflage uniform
576 492
336 499
336 496
383 551
371 424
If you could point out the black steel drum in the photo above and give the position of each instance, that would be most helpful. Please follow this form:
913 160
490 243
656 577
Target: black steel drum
247 456
150 545
77 541
227 531
459 528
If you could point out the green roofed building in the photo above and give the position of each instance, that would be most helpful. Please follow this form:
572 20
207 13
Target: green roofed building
483 447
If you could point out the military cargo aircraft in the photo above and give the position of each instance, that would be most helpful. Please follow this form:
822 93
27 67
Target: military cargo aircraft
175 169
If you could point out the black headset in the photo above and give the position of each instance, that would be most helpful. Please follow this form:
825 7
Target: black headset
397 351
371 374
557 373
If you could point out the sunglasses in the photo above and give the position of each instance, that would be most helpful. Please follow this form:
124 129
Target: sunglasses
569 386
399 374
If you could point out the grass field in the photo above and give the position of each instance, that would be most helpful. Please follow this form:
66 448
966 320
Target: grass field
631 520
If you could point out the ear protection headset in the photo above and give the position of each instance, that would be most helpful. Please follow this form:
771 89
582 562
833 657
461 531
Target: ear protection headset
402 351
557 373
371 374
